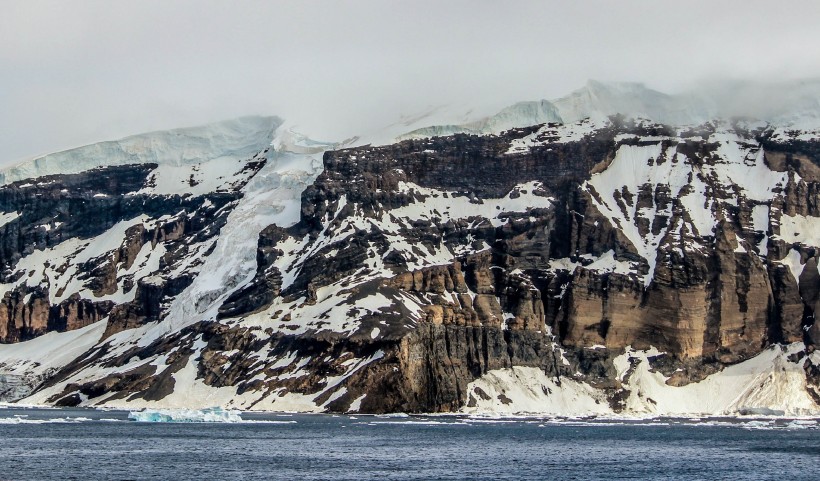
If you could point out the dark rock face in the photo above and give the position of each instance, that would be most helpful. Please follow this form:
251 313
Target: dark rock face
59 207
705 303
416 268
54 211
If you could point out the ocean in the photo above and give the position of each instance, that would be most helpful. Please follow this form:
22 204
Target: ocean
84 444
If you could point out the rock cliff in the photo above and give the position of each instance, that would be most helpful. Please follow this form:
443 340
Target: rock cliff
594 267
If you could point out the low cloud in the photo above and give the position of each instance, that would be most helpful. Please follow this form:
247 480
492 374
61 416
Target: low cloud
79 72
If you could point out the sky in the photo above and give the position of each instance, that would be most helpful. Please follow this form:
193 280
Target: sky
77 72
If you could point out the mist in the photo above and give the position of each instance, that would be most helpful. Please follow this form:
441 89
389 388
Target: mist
80 72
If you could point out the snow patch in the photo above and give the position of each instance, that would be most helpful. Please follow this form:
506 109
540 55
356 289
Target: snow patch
793 262
527 390
800 229
766 384
34 359
6 217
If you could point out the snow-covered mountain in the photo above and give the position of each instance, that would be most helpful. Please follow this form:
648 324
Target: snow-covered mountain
172 150
617 250
788 106
794 104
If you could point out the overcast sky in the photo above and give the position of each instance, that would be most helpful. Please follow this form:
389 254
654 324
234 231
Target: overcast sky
75 72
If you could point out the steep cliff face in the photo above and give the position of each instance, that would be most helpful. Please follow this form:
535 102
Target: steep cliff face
602 266
82 246
527 248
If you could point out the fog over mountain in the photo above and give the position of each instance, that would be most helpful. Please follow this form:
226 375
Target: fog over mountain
73 74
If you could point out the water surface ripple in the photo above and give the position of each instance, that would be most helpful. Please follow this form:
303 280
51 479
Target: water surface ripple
37 444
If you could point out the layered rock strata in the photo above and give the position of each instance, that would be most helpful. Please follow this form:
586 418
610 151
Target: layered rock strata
417 268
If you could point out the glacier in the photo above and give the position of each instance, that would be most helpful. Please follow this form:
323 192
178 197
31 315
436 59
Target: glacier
232 139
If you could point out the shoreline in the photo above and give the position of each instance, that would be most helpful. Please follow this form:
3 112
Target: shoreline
474 417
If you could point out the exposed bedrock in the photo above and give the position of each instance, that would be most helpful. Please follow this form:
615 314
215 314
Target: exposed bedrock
67 264
707 299
416 268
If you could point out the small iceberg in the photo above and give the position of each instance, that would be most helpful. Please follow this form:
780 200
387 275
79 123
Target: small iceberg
209 415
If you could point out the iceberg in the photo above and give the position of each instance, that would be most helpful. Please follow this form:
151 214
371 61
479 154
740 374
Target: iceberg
208 415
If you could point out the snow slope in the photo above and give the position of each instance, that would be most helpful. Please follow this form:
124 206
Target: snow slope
787 105
521 114
273 196
598 100
48 352
768 384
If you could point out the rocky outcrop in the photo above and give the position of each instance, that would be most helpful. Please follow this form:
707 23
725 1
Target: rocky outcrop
32 315
12 388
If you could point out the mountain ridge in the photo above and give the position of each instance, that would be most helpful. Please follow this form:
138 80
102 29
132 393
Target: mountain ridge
608 265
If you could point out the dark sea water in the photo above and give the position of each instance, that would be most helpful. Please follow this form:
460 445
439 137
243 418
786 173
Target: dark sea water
37 444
